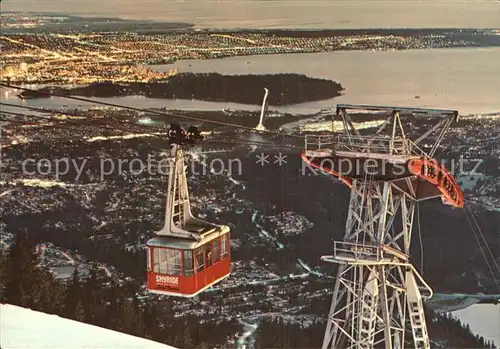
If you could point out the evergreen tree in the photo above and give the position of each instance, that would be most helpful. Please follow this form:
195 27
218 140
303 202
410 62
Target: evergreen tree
202 345
151 320
3 275
73 305
127 317
22 274
113 309
139 328
52 293
93 306
78 311
187 342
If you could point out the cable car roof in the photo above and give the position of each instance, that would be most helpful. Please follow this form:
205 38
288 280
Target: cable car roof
186 244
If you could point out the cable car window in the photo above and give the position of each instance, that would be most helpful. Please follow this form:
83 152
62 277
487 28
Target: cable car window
167 261
223 245
173 265
216 252
199 259
188 263
162 259
156 260
208 253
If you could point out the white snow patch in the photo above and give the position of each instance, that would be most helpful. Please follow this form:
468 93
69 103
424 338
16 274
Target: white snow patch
26 328
483 319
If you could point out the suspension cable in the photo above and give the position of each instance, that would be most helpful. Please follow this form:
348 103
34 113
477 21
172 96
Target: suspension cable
78 115
482 252
420 239
179 116
40 117
245 143
484 239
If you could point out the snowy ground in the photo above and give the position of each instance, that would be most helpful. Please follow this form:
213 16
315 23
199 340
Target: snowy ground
483 319
25 328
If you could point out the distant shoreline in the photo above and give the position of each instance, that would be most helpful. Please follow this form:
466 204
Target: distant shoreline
286 89
272 14
89 23
126 49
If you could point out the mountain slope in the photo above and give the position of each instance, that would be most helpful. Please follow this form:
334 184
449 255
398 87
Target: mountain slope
25 328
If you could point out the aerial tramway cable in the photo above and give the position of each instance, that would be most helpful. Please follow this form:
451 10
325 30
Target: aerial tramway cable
79 115
420 239
40 117
179 116
108 127
482 252
246 143
484 239
18 122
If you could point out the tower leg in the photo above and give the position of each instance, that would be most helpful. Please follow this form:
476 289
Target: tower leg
376 296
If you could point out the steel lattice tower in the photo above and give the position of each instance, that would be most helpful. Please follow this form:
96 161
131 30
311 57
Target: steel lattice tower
377 300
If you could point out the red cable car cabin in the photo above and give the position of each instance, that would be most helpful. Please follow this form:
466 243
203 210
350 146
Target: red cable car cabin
188 255
182 267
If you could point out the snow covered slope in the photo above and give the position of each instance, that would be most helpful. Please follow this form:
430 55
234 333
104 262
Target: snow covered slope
25 328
